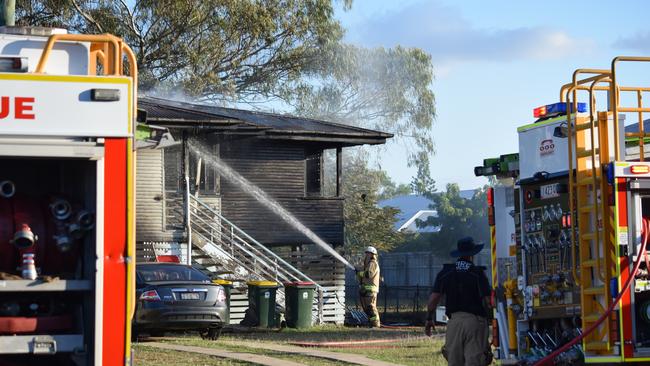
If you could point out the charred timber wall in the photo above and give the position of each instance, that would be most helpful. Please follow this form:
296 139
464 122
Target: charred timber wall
278 168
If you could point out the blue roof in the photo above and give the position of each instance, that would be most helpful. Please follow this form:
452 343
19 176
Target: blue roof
634 127
411 204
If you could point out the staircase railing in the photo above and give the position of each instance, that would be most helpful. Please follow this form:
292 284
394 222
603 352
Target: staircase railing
233 249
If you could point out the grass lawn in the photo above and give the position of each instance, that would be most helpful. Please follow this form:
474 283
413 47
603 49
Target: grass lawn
409 350
149 356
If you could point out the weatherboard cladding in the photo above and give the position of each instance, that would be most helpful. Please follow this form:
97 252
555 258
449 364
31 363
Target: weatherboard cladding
149 202
279 170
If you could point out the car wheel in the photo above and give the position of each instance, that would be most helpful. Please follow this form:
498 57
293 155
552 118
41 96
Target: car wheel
211 334
157 333
134 335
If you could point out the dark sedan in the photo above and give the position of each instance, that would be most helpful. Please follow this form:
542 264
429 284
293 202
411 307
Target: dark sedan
177 297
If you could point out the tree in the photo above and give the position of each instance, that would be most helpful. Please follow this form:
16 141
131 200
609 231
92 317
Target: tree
365 222
260 50
378 88
389 189
422 183
458 217
211 49
256 51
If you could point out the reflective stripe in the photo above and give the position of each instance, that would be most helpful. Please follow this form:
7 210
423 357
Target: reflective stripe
371 288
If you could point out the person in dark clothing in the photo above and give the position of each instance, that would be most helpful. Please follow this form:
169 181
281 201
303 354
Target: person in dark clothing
467 298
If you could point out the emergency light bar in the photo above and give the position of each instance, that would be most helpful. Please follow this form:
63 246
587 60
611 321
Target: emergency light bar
556 109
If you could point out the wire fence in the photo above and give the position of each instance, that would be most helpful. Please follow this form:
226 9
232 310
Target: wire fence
394 300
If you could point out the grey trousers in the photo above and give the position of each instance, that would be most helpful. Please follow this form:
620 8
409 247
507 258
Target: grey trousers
466 341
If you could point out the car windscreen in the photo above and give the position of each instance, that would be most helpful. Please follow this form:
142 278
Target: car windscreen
171 273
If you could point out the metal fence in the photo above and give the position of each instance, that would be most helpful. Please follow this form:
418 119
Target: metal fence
415 269
393 299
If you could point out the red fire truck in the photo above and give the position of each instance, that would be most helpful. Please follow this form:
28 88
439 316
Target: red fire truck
67 114
571 277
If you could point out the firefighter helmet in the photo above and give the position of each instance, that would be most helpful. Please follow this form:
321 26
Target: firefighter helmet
372 250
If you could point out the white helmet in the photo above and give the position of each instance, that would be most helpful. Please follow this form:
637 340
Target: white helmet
372 250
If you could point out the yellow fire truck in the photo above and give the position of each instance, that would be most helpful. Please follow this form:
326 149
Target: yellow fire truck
571 273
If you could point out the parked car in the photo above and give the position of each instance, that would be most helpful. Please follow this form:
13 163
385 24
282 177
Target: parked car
172 297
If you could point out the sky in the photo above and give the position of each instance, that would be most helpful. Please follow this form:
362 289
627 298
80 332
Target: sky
494 62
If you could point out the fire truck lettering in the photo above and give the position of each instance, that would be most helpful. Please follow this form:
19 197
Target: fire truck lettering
4 107
22 107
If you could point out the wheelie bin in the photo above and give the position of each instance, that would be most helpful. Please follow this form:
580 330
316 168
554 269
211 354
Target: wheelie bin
261 299
299 301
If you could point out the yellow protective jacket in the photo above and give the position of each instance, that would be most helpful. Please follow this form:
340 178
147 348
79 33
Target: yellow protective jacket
369 276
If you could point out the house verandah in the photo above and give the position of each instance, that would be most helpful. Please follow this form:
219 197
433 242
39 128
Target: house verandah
181 197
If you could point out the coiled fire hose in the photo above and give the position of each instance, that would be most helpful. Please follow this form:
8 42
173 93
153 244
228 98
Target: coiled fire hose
642 254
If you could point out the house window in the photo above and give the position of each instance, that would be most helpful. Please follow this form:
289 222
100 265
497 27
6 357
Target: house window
207 182
313 173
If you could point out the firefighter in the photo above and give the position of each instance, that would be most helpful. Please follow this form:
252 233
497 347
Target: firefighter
368 277
467 292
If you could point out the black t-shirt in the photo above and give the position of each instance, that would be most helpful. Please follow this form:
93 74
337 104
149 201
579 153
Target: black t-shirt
464 286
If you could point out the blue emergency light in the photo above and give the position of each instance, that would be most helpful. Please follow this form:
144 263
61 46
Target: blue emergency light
556 109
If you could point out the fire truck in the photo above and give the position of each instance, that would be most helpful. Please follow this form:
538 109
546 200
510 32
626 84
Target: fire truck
67 115
569 218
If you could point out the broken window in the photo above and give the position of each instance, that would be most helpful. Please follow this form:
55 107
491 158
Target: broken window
313 173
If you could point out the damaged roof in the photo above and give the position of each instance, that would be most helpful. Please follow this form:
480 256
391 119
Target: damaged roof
175 114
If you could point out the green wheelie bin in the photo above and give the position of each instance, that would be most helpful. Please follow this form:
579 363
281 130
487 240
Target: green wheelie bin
227 287
299 300
261 298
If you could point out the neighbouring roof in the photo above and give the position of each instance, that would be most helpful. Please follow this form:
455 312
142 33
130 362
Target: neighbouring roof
413 207
169 113
634 127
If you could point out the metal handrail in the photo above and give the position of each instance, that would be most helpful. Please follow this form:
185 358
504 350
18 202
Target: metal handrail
258 244
240 245
245 250
206 215
259 274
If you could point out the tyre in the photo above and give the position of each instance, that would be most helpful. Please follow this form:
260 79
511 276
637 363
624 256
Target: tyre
157 333
134 335
211 334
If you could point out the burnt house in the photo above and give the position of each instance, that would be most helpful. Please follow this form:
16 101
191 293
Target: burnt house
184 196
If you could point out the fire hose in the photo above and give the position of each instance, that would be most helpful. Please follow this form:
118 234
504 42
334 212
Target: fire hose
641 254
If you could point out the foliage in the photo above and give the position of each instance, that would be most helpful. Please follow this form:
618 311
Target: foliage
459 217
422 183
389 189
256 51
378 88
262 50
212 49
365 222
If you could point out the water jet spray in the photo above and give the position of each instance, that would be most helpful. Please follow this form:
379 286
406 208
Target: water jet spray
263 198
